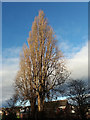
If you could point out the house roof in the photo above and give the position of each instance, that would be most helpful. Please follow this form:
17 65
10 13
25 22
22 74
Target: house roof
55 104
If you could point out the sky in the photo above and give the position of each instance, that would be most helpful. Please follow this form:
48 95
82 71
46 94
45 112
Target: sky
70 24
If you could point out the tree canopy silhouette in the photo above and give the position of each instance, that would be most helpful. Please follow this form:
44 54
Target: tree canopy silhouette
78 92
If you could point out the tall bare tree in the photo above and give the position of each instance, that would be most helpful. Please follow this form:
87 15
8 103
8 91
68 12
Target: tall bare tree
42 66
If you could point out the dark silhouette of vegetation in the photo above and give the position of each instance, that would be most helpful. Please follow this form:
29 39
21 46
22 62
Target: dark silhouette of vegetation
12 101
11 116
78 92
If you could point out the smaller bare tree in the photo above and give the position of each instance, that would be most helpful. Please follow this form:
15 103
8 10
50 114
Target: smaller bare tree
12 101
78 92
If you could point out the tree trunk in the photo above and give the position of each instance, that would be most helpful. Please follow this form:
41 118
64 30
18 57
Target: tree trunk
40 104
33 103
40 107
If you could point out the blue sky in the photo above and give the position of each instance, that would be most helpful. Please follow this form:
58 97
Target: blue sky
70 23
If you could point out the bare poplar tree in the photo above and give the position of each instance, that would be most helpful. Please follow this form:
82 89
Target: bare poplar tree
42 66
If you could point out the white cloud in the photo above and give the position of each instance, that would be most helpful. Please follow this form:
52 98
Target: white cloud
10 65
11 52
68 48
64 45
78 64
77 57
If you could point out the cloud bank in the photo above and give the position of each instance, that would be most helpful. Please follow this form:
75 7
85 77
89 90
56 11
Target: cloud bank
77 64
10 65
